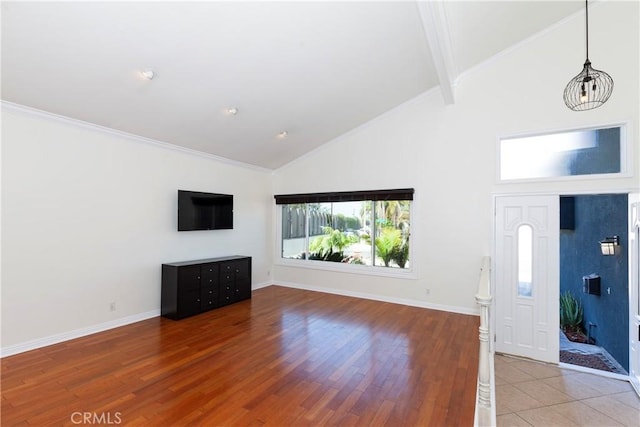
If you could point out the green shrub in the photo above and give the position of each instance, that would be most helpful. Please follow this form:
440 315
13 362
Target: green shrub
327 256
331 241
400 254
389 239
571 312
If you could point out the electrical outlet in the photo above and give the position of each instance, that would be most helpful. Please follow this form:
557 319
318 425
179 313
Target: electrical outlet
428 291
112 306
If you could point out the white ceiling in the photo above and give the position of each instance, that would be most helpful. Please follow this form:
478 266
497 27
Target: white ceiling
314 69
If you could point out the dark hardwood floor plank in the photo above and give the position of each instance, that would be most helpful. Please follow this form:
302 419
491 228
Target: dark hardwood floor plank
285 357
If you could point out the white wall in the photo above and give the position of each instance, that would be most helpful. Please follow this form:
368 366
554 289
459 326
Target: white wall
89 217
448 154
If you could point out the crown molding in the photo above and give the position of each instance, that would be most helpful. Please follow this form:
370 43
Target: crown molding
34 112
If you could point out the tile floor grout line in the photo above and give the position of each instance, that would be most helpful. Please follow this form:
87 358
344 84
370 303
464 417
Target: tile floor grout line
599 411
616 391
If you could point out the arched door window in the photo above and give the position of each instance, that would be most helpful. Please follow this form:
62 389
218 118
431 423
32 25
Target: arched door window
525 261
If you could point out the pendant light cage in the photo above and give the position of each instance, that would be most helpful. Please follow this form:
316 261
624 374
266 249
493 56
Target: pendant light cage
589 89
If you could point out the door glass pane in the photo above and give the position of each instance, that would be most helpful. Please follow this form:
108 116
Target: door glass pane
525 261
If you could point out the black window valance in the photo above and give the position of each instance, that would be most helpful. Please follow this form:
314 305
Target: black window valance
345 196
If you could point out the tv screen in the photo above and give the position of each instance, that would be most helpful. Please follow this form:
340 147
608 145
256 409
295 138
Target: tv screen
204 211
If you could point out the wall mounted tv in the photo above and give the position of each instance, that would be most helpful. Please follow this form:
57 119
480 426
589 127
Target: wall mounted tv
204 211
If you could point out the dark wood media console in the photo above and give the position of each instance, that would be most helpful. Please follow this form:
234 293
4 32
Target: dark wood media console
192 287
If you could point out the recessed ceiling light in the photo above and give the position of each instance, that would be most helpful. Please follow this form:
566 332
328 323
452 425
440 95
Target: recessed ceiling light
147 74
283 134
232 110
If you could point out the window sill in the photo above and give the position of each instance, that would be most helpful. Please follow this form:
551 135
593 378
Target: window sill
406 273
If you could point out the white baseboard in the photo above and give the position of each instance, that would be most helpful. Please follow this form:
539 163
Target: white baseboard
77 333
375 297
260 285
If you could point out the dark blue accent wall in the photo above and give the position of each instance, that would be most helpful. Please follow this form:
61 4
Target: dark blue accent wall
597 217
604 157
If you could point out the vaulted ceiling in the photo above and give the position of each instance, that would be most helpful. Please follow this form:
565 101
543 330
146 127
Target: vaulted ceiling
314 70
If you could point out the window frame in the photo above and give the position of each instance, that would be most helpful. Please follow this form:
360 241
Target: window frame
372 270
626 156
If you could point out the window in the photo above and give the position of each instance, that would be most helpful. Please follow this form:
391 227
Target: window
525 261
369 228
563 154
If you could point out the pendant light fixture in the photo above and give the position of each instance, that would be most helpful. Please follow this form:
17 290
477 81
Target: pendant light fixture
591 88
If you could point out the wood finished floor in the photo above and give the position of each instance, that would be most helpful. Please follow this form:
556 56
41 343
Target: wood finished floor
286 357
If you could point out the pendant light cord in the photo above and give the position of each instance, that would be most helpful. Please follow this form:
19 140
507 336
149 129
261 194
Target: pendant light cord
586 14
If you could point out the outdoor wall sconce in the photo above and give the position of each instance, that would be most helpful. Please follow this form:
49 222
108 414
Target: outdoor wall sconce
608 245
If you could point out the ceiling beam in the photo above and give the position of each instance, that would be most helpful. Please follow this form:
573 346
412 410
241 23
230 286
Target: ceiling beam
436 28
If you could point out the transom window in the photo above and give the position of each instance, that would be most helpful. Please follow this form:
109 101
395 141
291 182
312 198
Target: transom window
369 228
563 154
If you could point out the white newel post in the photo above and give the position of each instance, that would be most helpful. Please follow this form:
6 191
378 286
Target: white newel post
484 385
483 298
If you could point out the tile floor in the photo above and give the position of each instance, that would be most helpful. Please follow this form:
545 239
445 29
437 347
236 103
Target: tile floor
531 393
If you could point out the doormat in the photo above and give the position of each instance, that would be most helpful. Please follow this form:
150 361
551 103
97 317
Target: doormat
593 361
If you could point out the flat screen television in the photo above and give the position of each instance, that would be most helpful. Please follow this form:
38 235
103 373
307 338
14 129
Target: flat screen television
204 211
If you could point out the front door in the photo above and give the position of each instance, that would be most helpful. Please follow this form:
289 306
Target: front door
527 283
634 291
